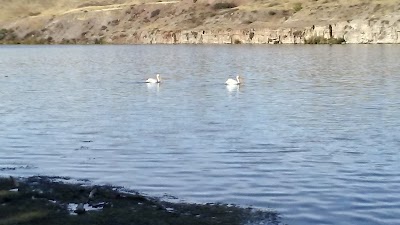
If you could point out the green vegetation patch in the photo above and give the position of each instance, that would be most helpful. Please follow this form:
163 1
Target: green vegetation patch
322 40
155 13
3 33
224 5
297 6
34 13
34 37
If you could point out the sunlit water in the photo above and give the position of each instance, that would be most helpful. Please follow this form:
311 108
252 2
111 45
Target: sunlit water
314 132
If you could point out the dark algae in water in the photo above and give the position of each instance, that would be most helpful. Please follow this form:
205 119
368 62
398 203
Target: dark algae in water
52 201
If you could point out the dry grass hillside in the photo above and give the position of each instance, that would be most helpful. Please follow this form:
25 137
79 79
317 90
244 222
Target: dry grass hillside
16 9
245 10
27 16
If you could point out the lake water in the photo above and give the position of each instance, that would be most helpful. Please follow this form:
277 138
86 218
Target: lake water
314 131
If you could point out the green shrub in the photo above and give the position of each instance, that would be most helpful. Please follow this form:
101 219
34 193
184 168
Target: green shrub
34 13
155 13
322 40
297 6
224 5
314 40
8 36
237 42
99 41
3 34
298 33
337 41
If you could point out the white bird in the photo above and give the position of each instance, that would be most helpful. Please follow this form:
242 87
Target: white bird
231 81
80 209
91 194
153 81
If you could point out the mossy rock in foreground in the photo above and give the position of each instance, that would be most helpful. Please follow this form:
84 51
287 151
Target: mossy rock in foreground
44 201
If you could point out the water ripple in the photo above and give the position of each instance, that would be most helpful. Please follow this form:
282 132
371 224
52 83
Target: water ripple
316 141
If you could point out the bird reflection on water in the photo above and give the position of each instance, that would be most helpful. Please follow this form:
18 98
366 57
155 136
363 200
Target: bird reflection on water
153 87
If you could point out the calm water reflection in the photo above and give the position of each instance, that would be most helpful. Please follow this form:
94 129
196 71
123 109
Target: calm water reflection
314 132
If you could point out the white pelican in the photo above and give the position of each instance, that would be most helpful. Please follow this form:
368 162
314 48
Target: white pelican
80 209
231 81
153 81
91 194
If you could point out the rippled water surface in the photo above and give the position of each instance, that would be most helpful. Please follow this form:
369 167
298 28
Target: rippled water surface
314 131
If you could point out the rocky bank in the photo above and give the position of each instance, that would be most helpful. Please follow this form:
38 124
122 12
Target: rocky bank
62 201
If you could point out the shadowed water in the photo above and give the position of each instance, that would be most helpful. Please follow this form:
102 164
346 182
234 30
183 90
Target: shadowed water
314 131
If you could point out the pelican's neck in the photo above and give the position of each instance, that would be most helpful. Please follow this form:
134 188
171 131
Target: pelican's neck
238 79
158 78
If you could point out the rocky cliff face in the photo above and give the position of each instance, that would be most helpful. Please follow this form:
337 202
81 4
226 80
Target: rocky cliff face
151 24
352 32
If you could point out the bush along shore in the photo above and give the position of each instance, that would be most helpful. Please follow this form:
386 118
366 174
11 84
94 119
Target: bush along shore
54 200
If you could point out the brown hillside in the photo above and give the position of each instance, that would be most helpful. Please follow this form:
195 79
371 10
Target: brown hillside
66 19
